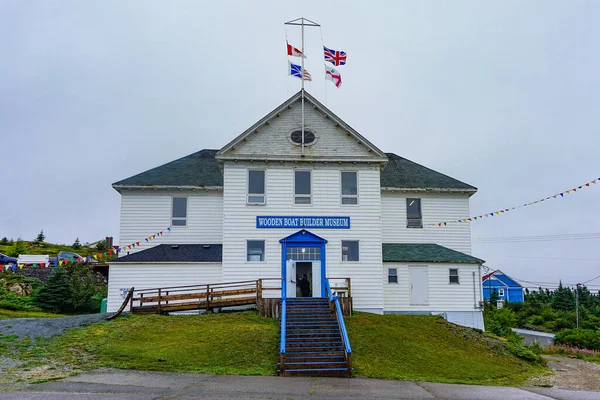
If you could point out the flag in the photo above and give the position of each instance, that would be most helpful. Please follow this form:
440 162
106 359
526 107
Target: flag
336 57
294 52
333 75
296 70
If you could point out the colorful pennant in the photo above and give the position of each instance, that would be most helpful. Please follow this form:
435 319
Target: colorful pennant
494 213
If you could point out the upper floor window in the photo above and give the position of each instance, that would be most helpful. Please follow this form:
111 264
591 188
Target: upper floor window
302 187
349 187
350 250
256 187
392 275
255 250
501 292
454 275
179 211
414 219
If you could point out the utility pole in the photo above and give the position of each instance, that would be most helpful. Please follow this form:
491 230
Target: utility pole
577 304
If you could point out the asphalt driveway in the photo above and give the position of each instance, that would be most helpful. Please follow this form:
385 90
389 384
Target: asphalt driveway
127 384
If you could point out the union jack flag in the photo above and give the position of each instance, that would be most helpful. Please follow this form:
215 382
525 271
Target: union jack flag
336 57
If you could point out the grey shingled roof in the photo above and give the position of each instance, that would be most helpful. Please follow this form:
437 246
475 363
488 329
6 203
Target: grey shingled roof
198 169
425 252
201 169
176 253
402 173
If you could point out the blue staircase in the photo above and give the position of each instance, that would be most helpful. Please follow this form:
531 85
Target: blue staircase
313 341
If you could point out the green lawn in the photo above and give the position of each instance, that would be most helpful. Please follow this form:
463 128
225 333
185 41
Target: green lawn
4 314
390 346
430 349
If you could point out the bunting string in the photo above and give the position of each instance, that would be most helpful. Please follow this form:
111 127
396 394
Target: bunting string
97 256
505 210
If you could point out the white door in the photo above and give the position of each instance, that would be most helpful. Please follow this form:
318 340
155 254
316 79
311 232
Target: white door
291 278
419 286
316 279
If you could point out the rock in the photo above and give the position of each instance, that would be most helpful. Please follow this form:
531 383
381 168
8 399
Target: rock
22 289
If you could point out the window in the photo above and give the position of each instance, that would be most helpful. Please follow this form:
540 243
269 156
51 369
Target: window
501 292
296 137
303 253
256 187
392 275
349 187
302 187
454 275
350 250
413 213
255 250
179 211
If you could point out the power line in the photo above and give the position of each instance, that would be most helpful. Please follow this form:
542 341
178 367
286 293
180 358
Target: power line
538 238
553 258
589 280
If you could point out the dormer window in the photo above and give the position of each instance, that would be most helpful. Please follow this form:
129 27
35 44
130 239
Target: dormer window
309 137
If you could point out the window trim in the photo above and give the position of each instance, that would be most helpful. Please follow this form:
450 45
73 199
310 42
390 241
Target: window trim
389 276
310 196
349 196
248 203
264 255
450 276
500 294
289 136
171 219
342 250
420 213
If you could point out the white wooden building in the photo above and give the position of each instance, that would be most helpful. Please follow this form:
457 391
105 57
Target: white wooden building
231 212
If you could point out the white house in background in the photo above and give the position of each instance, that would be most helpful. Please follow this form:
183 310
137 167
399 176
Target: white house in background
233 214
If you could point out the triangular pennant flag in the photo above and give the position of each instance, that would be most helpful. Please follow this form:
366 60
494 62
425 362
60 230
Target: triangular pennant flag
137 243
475 218
153 236
20 266
562 195
587 184
146 239
440 224
95 256
567 191
469 219
160 233
169 229
444 224
79 259
129 246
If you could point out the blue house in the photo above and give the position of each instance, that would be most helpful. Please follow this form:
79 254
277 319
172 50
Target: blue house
508 289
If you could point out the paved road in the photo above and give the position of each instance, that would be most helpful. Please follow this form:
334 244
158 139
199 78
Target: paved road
129 385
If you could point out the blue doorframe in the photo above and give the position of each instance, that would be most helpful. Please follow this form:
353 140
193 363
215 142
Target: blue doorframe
306 239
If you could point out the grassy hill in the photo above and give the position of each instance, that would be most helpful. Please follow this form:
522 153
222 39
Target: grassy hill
43 248
384 346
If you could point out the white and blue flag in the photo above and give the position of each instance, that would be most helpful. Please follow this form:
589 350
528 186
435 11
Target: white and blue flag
296 70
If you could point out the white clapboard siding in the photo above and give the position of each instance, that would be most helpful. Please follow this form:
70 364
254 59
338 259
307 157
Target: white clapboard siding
239 225
148 276
273 139
434 208
146 213
443 296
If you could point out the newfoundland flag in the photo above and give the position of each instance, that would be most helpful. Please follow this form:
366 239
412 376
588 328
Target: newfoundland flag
336 57
296 70
333 75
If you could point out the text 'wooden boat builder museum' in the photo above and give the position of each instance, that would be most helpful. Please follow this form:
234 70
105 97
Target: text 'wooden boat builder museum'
302 205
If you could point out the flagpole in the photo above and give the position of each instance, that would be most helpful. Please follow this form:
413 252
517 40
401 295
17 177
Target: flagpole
302 90
300 21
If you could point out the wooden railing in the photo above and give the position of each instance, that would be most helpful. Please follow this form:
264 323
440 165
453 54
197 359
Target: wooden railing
199 297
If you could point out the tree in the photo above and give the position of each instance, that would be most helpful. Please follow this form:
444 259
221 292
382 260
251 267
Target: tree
40 237
4 241
77 244
494 297
563 298
55 295
101 245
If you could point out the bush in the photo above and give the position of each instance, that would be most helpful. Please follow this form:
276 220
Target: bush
55 295
536 320
582 338
500 321
13 301
86 288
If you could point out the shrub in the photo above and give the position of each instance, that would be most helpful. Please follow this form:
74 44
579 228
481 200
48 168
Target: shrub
55 295
536 320
13 301
500 321
4 241
582 338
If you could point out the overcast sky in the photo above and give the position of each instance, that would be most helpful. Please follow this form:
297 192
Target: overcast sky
504 96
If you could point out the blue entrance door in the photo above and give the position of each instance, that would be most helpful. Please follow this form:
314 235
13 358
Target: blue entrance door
303 246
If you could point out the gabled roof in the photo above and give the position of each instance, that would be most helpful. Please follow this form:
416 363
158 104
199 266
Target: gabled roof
502 277
176 253
401 173
425 252
199 169
377 154
302 236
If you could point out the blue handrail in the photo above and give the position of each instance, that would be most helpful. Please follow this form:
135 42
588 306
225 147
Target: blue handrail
283 317
340 317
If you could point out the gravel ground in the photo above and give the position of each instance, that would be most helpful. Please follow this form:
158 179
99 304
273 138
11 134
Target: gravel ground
46 327
570 374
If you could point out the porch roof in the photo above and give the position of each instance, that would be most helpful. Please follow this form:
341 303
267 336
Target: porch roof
173 253
425 252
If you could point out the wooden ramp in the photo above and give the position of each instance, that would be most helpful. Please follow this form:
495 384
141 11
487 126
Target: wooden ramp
196 297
